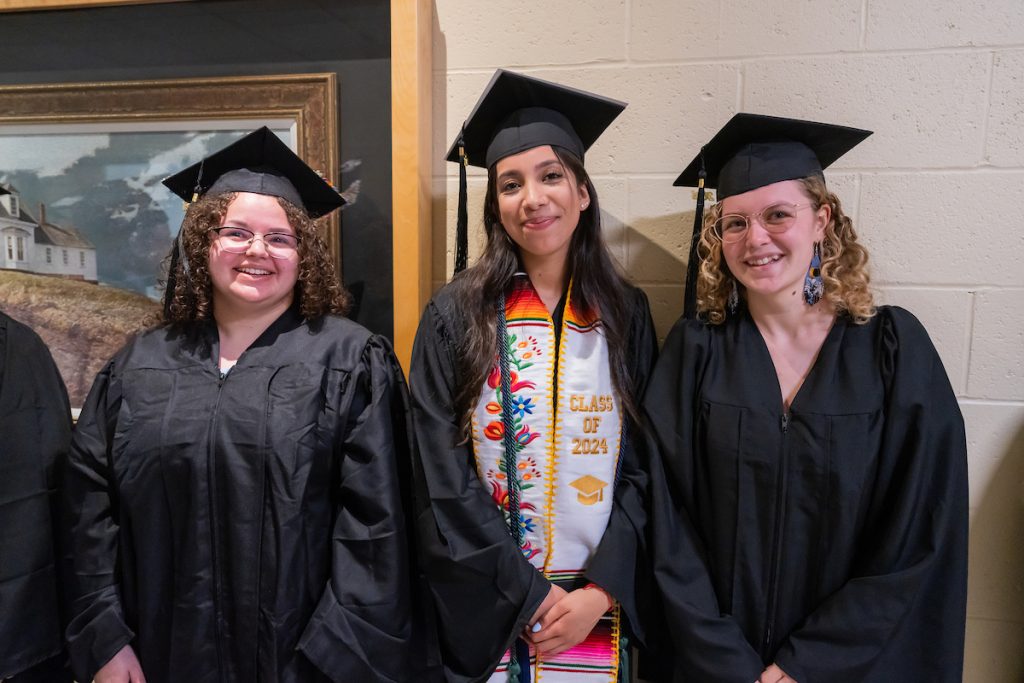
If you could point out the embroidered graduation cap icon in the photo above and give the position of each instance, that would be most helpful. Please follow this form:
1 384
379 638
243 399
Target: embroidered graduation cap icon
754 150
260 163
516 113
591 489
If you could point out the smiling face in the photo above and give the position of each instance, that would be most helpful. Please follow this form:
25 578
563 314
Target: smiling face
539 202
253 282
773 265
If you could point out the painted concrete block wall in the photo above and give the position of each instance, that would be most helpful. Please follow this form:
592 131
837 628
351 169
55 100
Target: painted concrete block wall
937 193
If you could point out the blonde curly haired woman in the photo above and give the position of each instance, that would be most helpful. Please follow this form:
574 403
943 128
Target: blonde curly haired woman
812 525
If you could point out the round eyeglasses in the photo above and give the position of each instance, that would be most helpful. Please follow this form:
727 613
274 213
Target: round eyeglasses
777 218
238 240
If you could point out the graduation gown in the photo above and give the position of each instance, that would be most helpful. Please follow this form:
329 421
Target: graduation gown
246 527
830 539
35 430
484 589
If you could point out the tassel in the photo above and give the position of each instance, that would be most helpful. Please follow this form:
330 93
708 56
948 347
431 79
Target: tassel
462 219
692 266
624 665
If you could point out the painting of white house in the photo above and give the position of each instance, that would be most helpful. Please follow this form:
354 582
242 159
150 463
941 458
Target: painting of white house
85 227
34 245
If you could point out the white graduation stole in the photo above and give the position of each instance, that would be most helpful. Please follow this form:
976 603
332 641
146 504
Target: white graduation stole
567 455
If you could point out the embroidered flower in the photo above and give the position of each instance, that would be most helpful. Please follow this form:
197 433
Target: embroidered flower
527 524
494 431
519 386
522 406
529 551
499 495
493 408
528 354
525 436
494 379
523 344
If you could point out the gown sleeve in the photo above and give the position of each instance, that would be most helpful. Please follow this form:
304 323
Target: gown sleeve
35 433
362 629
484 590
911 581
97 629
705 644
619 564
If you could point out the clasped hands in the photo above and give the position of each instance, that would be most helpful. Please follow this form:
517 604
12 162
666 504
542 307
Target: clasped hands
565 619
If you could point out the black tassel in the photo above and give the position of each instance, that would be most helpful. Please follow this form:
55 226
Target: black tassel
462 219
692 264
172 280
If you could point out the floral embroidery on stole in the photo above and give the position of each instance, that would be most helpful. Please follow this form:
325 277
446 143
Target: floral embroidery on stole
566 459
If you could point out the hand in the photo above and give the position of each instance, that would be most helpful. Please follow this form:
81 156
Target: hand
554 595
124 667
773 674
569 621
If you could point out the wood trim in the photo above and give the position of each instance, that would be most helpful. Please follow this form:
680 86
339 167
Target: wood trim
411 24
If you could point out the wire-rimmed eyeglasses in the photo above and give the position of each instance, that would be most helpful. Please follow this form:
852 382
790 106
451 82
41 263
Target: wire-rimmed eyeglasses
238 240
777 218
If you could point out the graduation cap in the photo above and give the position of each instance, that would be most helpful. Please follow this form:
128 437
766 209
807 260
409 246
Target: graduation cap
590 489
754 150
261 163
516 113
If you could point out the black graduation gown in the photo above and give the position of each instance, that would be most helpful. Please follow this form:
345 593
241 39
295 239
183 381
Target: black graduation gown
248 528
35 430
832 540
484 590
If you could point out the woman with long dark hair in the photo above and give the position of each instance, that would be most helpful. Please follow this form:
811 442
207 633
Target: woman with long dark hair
525 379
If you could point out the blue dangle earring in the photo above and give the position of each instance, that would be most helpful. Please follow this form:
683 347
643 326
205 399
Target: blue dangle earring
733 300
813 285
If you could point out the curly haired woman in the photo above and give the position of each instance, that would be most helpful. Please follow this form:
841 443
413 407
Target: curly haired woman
813 525
234 489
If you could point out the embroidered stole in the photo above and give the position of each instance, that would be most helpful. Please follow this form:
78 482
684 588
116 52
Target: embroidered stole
566 459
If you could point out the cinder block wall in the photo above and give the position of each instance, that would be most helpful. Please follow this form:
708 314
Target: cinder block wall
937 193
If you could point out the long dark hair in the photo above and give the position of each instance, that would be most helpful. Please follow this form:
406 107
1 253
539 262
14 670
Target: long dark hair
598 285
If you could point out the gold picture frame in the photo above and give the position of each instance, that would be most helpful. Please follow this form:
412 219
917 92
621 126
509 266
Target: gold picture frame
308 100
411 153
79 323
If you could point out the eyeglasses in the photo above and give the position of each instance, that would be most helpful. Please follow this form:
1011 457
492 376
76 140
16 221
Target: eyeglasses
238 240
777 218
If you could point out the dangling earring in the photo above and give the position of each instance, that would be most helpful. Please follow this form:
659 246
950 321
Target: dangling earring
813 285
732 302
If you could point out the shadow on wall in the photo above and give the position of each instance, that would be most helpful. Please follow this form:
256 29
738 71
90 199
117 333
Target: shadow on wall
656 250
996 573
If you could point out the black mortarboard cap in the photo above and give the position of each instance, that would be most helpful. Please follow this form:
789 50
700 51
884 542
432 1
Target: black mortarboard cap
754 150
516 113
261 163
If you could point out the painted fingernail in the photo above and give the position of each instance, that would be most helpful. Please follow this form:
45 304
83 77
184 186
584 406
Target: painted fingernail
535 627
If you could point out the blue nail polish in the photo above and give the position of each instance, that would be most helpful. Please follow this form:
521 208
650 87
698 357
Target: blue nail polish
535 627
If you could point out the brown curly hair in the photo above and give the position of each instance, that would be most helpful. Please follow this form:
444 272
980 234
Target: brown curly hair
189 296
843 262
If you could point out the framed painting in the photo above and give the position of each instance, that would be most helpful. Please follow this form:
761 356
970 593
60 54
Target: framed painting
85 221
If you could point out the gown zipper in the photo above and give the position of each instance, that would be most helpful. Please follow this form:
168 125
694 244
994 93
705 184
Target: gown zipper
780 512
212 484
